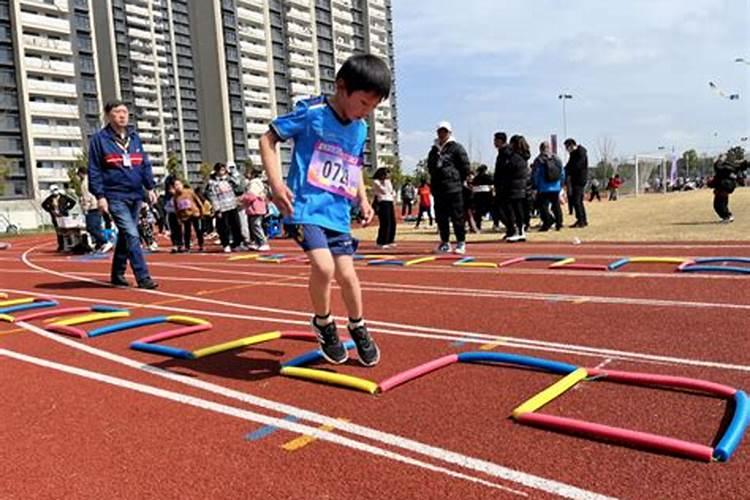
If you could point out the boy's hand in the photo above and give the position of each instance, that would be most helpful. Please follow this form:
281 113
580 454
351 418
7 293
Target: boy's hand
366 212
283 198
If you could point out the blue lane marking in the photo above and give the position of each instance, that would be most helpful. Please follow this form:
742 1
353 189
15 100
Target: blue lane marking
267 430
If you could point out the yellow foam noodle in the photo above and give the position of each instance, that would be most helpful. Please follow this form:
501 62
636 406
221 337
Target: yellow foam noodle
491 265
331 378
245 257
420 260
561 263
7 317
375 256
16 302
657 260
236 344
550 392
186 320
3 295
269 261
91 318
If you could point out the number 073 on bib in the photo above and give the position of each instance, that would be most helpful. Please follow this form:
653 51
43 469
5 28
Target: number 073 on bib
334 170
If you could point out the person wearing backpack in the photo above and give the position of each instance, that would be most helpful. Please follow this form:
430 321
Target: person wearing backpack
727 175
549 178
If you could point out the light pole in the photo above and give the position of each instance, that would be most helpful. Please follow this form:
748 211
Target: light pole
563 98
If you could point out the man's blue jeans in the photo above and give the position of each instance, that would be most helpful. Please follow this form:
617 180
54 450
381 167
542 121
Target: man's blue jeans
125 216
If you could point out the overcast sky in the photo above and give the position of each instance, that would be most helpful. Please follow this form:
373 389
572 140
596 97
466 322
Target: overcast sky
638 71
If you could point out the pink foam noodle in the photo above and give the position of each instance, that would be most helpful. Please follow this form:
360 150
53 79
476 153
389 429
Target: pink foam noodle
177 332
418 371
664 380
636 439
70 331
298 335
510 262
51 313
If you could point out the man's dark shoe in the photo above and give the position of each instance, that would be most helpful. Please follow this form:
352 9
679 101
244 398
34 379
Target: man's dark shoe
148 284
119 281
367 349
331 347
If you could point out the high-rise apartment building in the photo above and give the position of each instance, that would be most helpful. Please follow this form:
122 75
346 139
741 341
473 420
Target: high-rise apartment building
146 59
267 54
49 96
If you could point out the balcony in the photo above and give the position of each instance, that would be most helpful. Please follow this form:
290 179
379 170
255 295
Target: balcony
302 74
138 33
52 175
344 3
257 97
301 59
53 6
152 149
344 15
137 11
47 45
254 33
257 128
250 15
57 68
301 15
255 112
300 44
253 48
52 88
45 23
52 153
254 64
54 110
255 81
300 30
55 132
302 89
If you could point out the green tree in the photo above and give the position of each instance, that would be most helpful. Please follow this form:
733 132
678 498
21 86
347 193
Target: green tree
248 165
205 171
74 182
393 163
4 174
173 166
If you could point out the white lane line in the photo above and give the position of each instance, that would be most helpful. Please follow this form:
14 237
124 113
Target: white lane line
250 416
437 453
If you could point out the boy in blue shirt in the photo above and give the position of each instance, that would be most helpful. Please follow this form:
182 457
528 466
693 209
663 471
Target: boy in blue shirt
325 178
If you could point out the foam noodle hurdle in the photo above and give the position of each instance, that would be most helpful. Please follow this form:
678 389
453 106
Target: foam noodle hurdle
64 311
3 295
23 304
253 256
489 265
584 267
723 451
551 392
699 266
532 258
68 326
613 266
518 360
408 375
420 260
386 262
562 263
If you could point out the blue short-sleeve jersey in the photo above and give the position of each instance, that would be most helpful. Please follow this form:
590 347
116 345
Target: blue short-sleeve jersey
313 121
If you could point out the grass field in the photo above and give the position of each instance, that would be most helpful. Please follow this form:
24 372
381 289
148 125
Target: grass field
685 216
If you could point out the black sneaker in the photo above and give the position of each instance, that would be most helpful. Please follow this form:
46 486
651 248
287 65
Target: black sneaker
148 284
367 349
119 280
330 345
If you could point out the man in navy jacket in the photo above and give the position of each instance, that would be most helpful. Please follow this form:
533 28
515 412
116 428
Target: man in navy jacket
120 177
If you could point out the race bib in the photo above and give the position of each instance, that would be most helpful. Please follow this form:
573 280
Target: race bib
334 170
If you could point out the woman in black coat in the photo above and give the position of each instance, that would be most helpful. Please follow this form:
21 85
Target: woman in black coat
514 186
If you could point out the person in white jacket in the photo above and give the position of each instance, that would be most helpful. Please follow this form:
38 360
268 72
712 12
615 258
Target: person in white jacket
384 195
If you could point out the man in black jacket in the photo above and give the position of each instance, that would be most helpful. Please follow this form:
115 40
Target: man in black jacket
448 165
577 172
502 172
727 175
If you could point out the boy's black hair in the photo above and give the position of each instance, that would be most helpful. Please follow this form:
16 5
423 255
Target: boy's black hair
502 136
569 143
366 72
113 104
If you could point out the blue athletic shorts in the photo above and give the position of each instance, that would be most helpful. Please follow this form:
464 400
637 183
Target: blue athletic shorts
312 237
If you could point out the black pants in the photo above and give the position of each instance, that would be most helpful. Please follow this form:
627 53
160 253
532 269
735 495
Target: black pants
576 199
721 204
387 223
228 226
515 215
449 207
502 207
595 194
482 205
175 229
424 209
192 223
406 206
547 201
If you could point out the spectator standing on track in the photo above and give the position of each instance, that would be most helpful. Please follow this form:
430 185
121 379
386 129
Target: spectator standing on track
448 165
256 208
325 178
467 193
549 177
408 193
94 222
501 181
425 202
577 171
119 176
58 204
175 228
384 195
481 187
224 201
514 187
189 208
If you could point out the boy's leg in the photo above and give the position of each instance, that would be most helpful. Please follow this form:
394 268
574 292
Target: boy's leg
351 293
321 273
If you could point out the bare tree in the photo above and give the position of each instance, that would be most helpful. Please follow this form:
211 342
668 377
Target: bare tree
605 146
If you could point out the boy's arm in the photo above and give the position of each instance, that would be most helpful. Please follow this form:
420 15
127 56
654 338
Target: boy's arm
364 204
282 196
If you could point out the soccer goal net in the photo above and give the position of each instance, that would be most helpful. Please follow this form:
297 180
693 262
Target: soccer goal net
643 174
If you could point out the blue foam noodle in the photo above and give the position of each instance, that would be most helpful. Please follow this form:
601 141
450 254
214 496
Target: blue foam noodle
699 268
313 356
736 428
618 264
163 350
717 260
28 307
127 325
386 263
544 258
515 359
104 308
